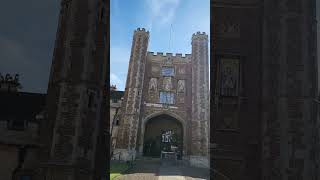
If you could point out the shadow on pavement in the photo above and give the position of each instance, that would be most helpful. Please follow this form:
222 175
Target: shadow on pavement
153 168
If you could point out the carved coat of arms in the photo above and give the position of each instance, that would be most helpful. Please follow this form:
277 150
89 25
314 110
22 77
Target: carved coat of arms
167 83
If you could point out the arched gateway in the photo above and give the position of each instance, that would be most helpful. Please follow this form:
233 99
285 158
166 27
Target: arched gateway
162 132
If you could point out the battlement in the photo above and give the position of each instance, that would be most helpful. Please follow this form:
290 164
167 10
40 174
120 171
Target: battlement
161 54
199 34
141 30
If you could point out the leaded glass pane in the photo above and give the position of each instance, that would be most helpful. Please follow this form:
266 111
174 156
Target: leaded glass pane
162 97
166 98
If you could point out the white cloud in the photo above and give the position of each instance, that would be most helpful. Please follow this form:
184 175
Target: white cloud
162 11
119 61
115 80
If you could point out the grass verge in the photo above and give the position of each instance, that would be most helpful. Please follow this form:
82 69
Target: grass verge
116 169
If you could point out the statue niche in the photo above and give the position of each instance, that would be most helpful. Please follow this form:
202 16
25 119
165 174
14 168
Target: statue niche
153 84
181 86
229 77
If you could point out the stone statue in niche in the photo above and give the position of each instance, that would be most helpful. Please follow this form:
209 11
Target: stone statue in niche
167 84
181 86
153 84
168 61
229 77
229 81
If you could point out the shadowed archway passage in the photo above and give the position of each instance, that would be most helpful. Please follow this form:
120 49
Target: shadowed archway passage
163 133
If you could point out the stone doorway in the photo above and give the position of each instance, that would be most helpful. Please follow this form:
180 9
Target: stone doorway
163 133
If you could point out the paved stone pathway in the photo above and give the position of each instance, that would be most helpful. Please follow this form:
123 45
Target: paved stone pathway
168 172
155 170
142 170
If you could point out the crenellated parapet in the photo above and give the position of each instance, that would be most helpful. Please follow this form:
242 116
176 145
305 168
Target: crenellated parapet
199 35
141 30
165 55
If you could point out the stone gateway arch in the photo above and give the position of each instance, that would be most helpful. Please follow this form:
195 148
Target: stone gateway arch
158 131
166 97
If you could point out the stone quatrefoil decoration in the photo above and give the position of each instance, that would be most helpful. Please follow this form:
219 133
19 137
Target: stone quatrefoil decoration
228 28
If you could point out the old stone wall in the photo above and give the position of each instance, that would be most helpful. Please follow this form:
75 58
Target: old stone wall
12 168
72 133
290 145
235 128
272 133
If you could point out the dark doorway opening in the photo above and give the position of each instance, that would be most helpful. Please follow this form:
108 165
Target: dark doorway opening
163 133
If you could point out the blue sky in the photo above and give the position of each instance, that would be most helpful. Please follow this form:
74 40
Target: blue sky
157 16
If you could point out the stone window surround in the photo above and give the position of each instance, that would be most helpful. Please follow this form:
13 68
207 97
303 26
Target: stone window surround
173 98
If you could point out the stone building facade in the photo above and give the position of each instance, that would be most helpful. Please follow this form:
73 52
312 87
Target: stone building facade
264 82
21 114
116 98
73 137
166 86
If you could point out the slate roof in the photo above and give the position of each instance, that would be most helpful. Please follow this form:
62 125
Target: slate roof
116 95
25 106
21 105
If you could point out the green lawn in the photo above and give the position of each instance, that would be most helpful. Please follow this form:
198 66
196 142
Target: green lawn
117 168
